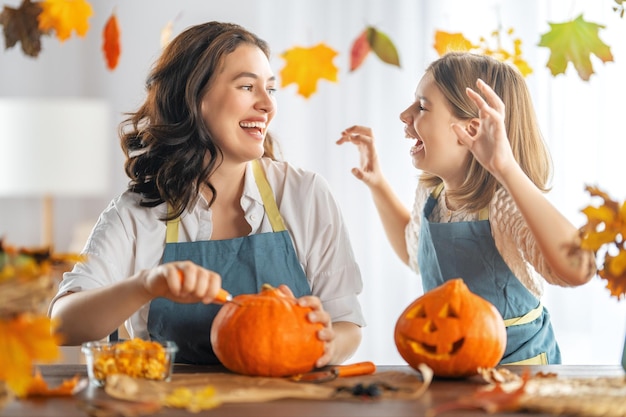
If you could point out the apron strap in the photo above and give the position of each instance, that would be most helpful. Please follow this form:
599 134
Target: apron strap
541 359
171 234
532 315
483 214
276 220
267 196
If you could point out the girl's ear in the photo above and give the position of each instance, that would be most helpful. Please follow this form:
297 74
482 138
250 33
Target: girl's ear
472 127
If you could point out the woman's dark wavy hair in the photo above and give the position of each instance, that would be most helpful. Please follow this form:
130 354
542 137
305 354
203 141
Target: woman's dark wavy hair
166 141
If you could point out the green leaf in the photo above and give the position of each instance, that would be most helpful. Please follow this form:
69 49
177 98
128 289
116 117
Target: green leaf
574 42
382 46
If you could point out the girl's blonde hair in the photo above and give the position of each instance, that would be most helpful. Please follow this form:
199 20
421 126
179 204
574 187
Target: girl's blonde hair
453 73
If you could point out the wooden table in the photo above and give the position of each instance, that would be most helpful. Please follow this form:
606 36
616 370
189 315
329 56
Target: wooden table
440 391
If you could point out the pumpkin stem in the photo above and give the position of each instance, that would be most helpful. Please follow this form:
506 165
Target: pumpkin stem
267 286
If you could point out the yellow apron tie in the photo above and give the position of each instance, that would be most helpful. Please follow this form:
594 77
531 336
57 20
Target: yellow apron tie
273 214
541 359
267 196
171 234
532 315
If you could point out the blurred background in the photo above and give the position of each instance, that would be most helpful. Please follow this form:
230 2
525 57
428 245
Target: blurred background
581 120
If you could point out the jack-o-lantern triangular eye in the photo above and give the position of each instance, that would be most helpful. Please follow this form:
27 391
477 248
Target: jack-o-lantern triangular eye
448 311
417 312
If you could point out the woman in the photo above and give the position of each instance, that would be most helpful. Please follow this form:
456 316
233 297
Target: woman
207 201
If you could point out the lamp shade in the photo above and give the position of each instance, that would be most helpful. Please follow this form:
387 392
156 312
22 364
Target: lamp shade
54 146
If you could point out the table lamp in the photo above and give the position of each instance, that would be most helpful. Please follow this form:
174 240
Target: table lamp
53 147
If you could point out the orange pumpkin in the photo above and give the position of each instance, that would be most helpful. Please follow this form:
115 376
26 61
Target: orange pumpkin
452 330
266 334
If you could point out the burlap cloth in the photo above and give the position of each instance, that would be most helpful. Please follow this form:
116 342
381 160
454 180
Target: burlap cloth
573 396
232 388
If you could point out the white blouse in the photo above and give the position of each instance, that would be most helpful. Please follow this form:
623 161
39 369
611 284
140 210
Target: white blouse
513 239
128 238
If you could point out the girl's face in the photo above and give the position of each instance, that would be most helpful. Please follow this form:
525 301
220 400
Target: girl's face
239 105
437 149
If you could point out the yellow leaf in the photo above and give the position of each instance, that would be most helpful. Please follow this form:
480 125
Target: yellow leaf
305 66
574 42
25 339
446 42
64 16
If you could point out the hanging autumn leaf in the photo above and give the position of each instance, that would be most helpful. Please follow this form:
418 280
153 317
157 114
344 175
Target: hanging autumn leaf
604 234
574 42
65 16
111 42
372 39
25 339
446 42
359 51
382 46
492 46
20 25
305 66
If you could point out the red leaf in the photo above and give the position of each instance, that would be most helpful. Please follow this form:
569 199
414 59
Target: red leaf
360 49
111 42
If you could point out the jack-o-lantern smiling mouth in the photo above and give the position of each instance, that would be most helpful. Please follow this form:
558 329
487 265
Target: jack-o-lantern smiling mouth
434 351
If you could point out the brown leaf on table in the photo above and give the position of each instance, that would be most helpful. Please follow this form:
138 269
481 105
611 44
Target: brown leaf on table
20 25
492 400
111 42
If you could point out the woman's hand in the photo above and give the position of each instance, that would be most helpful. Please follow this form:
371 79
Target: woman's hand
487 138
183 282
369 172
318 315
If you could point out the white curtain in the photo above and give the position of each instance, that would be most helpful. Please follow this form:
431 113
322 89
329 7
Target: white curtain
581 121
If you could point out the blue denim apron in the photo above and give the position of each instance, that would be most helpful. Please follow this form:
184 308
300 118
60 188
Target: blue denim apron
467 250
244 263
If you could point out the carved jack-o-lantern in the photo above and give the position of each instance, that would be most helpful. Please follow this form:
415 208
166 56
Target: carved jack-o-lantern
452 330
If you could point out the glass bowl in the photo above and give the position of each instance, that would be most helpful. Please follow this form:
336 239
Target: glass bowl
136 358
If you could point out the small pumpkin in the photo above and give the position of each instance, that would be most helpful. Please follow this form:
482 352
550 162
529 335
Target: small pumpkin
266 334
452 330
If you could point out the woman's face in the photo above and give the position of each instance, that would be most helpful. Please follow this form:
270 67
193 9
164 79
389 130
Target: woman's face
239 104
437 149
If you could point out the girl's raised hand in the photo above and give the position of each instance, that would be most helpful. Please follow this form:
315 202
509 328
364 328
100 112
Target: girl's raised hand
369 172
487 139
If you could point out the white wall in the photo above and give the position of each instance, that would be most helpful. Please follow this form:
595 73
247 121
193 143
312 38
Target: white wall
579 119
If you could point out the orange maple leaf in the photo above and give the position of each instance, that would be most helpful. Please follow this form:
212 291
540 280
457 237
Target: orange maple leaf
38 387
305 66
64 16
25 339
111 42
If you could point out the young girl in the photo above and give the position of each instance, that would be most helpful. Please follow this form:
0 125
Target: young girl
204 203
480 212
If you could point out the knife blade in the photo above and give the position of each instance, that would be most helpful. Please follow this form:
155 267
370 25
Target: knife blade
337 371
